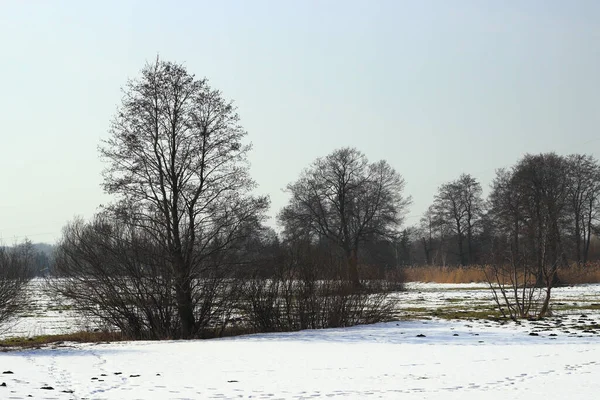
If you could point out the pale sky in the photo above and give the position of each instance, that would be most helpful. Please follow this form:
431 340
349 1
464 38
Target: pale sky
437 88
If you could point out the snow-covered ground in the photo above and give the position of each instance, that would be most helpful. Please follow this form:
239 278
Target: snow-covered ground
410 359
385 361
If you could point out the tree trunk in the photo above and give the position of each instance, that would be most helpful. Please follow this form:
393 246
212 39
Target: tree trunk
426 250
587 239
546 304
353 267
461 252
577 240
470 246
185 307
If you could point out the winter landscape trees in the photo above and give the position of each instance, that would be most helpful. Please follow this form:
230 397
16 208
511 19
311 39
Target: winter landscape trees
176 253
348 201
537 220
542 197
176 162
530 203
183 249
457 209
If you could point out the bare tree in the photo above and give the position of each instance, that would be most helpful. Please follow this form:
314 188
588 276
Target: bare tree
425 233
528 205
458 204
178 166
346 199
583 197
15 273
115 274
511 277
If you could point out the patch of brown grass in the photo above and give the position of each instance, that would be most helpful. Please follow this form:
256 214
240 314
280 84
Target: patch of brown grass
78 337
16 343
580 274
436 274
573 275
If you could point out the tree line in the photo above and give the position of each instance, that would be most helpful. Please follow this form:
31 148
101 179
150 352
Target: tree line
183 250
543 198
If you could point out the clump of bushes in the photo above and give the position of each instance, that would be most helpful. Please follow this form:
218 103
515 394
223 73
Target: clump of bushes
309 293
15 274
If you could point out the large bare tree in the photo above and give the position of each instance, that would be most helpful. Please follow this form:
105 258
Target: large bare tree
177 164
346 199
528 205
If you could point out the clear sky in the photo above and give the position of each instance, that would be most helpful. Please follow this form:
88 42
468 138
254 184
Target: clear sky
435 87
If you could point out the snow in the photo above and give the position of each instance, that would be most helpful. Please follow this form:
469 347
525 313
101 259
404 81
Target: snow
384 361
485 360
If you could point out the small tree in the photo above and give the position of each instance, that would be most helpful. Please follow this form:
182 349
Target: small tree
346 199
15 274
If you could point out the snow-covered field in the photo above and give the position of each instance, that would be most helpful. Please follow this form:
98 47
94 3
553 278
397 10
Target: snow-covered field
409 359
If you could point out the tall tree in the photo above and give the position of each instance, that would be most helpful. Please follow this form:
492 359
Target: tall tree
583 197
506 208
425 233
346 199
459 205
178 166
528 205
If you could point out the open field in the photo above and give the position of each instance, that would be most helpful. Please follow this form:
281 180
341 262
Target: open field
48 316
445 345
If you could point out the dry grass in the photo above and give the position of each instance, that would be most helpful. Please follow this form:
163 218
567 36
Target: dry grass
573 275
102 337
577 274
437 274
78 337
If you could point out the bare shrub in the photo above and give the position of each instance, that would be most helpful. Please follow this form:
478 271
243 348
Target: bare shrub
287 305
303 295
15 273
513 289
118 276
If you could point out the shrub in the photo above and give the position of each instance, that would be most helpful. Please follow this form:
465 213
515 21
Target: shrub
15 273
